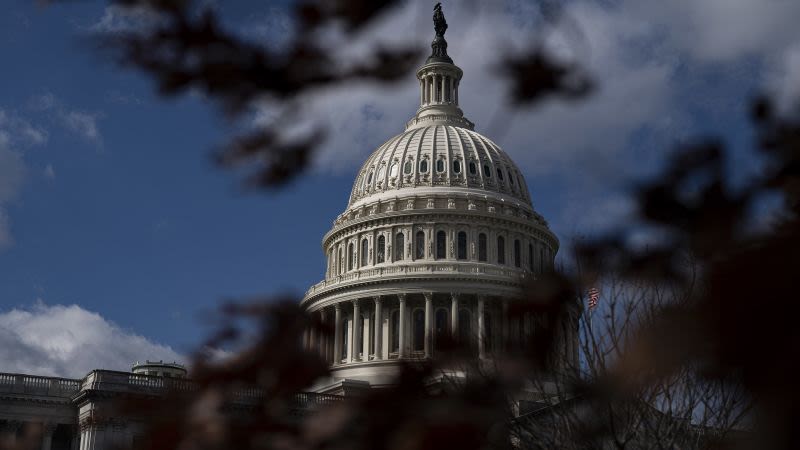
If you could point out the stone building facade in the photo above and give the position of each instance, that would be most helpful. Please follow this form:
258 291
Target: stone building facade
83 414
438 236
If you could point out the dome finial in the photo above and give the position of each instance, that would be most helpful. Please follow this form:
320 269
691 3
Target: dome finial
439 45
439 22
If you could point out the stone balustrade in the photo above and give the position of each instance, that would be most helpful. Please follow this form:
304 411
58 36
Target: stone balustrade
13 383
402 270
129 383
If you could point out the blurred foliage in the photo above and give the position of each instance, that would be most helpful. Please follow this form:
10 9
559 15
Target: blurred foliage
726 335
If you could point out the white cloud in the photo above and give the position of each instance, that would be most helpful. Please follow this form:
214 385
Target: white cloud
84 124
20 131
49 172
722 30
120 19
639 51
784 79
16 134
638 88
70 341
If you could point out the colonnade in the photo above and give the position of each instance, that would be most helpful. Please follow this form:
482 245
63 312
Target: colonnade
436 89
401 326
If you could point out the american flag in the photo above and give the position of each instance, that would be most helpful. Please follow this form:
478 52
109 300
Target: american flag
593 295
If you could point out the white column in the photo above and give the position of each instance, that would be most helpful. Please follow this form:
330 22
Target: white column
481 328
47 435
312 336
356 328
421 91
454 315
75 438
444 80
456 88
428 323
323 338
452 90
402 325
378 328
337 336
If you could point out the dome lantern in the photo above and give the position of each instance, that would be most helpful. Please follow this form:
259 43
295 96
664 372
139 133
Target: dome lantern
439 79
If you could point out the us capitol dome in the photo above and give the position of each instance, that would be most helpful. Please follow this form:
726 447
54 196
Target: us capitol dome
438 235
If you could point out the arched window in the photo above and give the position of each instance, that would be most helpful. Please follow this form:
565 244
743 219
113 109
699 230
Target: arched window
501 250
419 329
399 246
440 165
486 171
395 332
381 172
423 166
456 166
364 252
393 170
511 178
517 254
488 334
441 245
381 249
369 179
499 174
462 245
440 326
351 256
464 326
530 257
420 247
407 167
473 169
482 253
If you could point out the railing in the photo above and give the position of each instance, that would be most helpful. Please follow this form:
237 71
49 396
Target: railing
309 399
112 381
14 383
418 269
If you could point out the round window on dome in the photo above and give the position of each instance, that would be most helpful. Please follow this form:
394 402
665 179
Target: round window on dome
408 167
486 171
473 169
499 174
423 166
457 166
393 170
440 165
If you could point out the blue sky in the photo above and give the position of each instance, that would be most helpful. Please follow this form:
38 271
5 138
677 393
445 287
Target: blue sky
111 207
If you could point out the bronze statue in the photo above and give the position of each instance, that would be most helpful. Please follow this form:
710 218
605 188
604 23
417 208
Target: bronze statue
439 44
439 23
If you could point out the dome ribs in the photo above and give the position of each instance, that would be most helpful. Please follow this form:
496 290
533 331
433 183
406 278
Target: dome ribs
464 158
401 181
448 169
